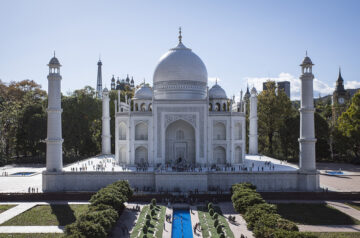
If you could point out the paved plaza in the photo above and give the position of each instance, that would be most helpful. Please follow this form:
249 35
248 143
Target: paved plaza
21 184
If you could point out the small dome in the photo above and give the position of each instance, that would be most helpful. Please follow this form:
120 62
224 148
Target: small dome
145 92
253 90
54 62
307 61
217 92
105 90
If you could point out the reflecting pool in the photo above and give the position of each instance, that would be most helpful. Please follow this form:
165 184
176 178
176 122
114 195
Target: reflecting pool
181 226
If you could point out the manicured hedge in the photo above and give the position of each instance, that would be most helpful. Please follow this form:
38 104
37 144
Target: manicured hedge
105 208
260 216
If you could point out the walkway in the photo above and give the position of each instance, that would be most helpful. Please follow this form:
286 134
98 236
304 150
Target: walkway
127 221
330 228
195 219
345 209
31 229
168 226
13 212
239 227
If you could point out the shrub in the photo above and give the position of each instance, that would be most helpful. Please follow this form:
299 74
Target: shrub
144 236
91 230
222 235
113 200
244 202
291 234
254 212
148 222
153 213
106 218
219 229
153 202
211 212
104 209
215 215
151 206
148 217
216 223
209 206
239 186
145 229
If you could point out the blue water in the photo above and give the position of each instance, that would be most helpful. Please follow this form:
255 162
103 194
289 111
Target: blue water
23 173
334 172
181 227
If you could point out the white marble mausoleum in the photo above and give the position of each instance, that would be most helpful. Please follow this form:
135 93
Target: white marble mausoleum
179 135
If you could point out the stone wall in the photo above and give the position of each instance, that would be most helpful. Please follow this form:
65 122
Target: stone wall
184 181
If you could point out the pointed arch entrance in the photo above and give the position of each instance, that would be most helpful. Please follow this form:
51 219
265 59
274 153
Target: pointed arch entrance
180 143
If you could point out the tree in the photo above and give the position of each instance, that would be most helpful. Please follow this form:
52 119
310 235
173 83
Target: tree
349 126
82 123
274 107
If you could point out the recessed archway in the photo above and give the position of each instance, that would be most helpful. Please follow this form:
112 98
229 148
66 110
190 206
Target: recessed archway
141 155
180 143
219 155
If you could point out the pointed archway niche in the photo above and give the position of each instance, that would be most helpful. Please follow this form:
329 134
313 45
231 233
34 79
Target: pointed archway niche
180 143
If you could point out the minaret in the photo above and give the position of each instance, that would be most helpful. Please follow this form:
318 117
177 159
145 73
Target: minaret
253 128
106 136
307 130
99 80
54 161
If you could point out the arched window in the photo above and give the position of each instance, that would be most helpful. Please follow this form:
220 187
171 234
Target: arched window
210 107
238 155
143 107
122 131
136 107
141 131
238 131
217 107
179 135
219 132
150 107
141 155
219 155
224 106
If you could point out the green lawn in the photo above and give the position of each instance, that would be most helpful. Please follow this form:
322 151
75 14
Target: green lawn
314 214
156 224
32 235
207 223
3 208
48 215
336 234
354 205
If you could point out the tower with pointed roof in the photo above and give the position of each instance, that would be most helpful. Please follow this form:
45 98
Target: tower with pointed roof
307 140
99 80
340 98
54 158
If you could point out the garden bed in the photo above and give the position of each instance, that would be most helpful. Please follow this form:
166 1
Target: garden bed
207 223
156 223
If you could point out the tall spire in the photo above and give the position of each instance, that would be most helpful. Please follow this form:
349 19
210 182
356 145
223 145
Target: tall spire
180 37
99 80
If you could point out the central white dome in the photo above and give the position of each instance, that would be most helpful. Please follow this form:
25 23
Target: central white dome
180 74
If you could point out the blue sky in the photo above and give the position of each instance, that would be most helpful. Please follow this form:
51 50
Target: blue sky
240 42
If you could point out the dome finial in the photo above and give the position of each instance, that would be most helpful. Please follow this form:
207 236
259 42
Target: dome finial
54 53
180 37
216 81
306 53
